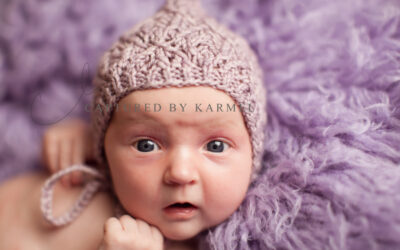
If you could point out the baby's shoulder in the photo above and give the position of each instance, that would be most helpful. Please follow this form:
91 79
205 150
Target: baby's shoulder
22 194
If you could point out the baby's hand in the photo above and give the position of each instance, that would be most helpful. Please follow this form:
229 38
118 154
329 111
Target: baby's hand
127 233
65 144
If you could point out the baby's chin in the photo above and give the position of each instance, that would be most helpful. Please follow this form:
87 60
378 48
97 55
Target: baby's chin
180 232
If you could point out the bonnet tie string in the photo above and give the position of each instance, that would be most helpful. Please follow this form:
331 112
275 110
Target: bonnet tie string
85 197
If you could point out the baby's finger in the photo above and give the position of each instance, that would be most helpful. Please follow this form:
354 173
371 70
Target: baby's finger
157 235
143 227
129 224
77 158
89 145
64 159
111 226
49 152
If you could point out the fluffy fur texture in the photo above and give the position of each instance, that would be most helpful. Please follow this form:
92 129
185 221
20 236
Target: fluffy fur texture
331 178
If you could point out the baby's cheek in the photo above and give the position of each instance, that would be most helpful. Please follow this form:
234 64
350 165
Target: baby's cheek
134 193
222 198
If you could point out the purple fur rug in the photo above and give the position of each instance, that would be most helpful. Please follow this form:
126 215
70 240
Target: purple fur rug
332 69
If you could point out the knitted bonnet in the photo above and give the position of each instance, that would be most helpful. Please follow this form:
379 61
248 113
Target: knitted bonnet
180 46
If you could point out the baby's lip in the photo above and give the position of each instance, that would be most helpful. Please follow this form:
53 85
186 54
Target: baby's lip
181 203
180 211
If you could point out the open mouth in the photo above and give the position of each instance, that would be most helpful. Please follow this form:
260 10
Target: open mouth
181 205
181 211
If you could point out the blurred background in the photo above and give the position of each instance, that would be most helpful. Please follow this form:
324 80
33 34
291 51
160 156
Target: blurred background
332 70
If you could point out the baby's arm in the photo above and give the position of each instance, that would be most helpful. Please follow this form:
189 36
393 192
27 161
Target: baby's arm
127 233
64 144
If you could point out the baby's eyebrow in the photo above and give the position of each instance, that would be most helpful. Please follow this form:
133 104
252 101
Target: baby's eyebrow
207 123
143 118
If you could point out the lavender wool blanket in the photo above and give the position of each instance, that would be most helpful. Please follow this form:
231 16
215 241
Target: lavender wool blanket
331 176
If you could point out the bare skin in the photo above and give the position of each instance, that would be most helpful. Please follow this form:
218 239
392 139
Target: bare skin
23 227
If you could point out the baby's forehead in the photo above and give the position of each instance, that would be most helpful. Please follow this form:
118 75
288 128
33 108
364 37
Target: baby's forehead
188 94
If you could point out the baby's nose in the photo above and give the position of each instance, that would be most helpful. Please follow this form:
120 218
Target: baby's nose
182 167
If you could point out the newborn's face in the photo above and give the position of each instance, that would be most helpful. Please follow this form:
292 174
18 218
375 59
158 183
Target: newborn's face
182 171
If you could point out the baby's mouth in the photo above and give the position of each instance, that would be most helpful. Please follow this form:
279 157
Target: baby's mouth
181 211
184 205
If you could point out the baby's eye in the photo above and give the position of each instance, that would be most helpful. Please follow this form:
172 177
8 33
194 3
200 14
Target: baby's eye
146 145
217 146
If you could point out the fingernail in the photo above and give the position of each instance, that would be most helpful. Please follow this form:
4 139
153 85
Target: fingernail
65 182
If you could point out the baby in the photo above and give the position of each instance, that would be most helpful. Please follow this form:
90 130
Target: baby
177 127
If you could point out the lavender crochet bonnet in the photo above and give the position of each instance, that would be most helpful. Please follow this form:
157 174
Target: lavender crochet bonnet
180 46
